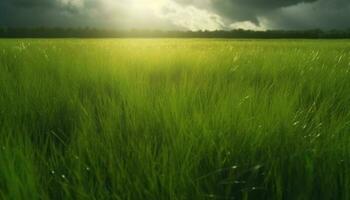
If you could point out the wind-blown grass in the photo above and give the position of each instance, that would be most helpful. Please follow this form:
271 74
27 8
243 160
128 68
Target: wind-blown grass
174 119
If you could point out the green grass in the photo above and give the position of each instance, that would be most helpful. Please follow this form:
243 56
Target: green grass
174 119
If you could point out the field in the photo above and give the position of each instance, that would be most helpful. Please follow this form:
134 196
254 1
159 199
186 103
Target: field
133 119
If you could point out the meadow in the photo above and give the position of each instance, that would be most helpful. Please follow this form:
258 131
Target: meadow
133 119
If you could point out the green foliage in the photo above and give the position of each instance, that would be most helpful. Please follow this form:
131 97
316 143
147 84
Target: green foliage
174 119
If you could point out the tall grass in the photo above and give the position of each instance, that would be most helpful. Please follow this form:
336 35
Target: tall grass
174 119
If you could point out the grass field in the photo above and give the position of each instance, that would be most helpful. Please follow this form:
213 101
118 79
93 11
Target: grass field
133 119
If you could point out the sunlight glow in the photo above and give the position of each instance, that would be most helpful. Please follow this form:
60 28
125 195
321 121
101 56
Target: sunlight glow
147 13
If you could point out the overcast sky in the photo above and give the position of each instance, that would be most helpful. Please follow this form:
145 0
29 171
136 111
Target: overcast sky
177 14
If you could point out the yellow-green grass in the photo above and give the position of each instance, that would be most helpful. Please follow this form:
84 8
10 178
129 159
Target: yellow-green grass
174 119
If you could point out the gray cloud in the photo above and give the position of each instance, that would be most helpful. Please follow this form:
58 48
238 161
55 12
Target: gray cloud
178 14
241 10
22 13
32 3
322 14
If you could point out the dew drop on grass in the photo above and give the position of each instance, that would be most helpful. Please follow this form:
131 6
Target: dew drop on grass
296 123
257 167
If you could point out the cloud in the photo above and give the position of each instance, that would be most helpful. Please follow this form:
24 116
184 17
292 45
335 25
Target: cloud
190 17
322 14
280 14
32 3
178 14
247 25
122 14
242 10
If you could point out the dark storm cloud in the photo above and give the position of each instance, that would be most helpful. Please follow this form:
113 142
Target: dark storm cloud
32 3
269 14
281 14
251 9
65 13
322 14
75 13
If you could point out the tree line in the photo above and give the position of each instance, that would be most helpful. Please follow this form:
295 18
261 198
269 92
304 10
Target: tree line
44 32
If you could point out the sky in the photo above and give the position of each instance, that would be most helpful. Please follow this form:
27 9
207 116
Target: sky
178 14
